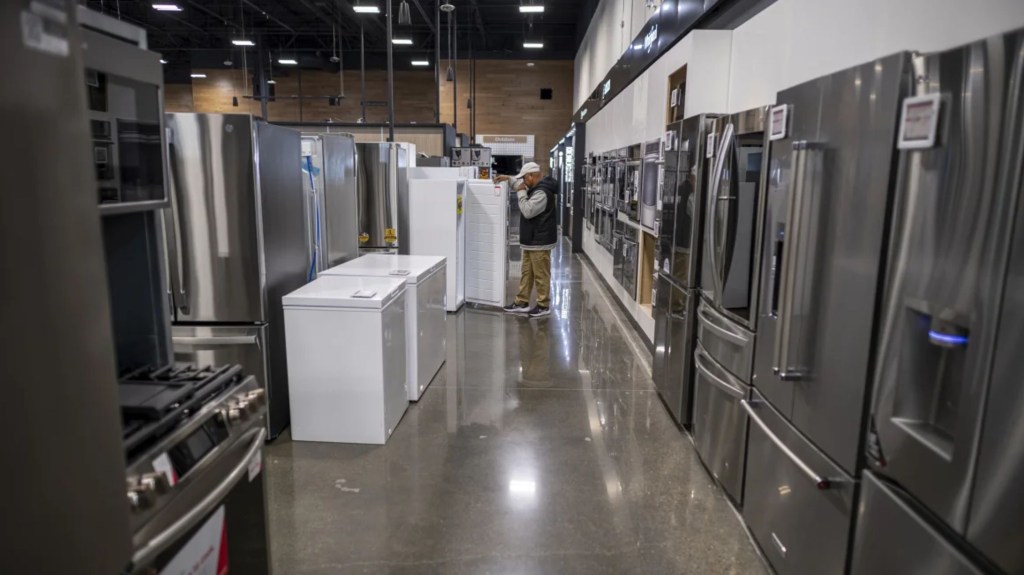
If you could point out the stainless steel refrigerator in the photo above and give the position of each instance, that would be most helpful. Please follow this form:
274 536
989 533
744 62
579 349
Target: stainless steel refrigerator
947 423
237 243
832 167
680 228
727 313
331 196
65 509
382 190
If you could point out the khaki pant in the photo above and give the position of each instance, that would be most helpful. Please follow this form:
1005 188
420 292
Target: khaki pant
536 272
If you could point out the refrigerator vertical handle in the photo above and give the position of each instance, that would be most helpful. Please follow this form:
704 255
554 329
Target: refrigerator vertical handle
179 267
805 155
716 180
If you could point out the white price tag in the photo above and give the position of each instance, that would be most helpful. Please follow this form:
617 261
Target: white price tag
779 122
919 122
709 150
255 465
668 141
162 464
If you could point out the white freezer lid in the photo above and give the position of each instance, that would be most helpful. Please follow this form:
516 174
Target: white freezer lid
389 265
345 292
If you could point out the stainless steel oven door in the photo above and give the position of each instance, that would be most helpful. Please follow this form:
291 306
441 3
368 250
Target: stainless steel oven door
224 505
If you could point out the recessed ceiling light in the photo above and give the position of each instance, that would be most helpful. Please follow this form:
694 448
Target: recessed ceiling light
287 61
271 81
533 45
534 9
363 9
243 42
420 63
167 7
530 64
198 75
162 61
402 41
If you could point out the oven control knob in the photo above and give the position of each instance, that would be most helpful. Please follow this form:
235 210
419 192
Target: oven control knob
245 407
257 396
140 497
156 482
234 414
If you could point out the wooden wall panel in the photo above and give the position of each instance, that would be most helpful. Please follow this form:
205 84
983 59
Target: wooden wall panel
508 100
507 97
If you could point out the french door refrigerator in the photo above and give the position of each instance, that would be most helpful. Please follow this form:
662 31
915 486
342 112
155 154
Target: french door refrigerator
944 446
727 313
822 263
680 231
237 243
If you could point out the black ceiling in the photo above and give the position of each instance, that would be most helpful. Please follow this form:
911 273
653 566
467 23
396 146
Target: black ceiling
200 35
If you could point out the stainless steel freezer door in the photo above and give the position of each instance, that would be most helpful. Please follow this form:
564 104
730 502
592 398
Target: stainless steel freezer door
943 301
824 251
719 422
676 382
797 503
893 538
213 229
690 183
224 345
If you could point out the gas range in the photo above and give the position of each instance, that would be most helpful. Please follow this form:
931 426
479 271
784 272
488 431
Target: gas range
183 426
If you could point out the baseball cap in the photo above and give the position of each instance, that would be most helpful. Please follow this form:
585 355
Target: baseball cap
528 168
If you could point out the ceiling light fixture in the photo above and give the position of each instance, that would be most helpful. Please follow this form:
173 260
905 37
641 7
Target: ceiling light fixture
198 75
364 9
533 45
402 41
404 16
271 81
287 61
243 42
531 9
167 7
420 63
162 61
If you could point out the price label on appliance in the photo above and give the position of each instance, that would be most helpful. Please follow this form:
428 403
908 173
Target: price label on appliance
162 464
203 553
709 151
668 141
919 123
675 97
390 235
779 122
364 237
255 465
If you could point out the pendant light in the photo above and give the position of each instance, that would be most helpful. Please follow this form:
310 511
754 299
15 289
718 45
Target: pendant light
448 7
404 17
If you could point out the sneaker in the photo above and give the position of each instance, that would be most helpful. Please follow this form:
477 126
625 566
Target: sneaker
517 308
540 312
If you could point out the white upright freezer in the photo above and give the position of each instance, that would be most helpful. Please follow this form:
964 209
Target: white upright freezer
346 358
425 313
437 227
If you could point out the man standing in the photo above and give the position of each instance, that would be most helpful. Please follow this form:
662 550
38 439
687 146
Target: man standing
538 235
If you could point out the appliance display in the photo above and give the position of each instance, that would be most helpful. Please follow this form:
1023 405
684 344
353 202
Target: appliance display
60 374
650 185
381 180
332 205
628 187
486 207
472 156
823 260
726 315
237 243
942 443
681 225
346 358
437 225
424 309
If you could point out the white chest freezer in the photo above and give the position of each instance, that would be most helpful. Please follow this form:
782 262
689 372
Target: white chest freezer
424 309
345 338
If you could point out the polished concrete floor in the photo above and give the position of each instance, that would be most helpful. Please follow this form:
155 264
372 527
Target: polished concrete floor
541 447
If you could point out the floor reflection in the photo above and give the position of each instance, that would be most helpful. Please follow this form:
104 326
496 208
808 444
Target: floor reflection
540 447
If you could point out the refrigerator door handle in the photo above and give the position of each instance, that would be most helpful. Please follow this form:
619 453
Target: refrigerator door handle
795 238
214 341
819 481
710 322
716 180
181 299
717 381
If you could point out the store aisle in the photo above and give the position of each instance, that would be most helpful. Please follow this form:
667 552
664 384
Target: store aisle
540 448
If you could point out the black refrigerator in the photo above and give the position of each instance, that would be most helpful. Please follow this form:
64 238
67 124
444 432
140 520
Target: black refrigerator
680 227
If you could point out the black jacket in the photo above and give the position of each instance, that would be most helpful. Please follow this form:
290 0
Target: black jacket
542 229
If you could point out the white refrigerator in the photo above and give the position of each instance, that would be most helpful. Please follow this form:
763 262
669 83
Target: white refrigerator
437 227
